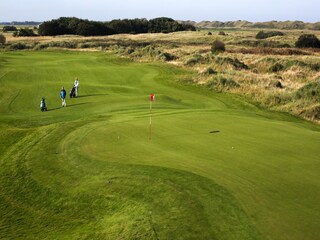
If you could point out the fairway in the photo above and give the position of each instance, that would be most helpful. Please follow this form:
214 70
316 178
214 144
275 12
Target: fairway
215 167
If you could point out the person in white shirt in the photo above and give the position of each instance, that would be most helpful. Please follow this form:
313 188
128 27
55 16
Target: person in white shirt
76 85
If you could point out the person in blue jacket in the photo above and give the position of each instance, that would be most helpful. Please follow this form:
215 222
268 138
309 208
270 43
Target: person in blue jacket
63 95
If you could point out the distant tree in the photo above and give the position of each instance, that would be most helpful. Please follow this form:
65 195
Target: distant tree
50 28
140 25
2 39
85 29
77 26
24 32
308 41
218 46
121 26
166 25
9 29
88 28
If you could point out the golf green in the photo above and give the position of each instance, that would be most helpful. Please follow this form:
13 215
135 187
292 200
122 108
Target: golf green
210 167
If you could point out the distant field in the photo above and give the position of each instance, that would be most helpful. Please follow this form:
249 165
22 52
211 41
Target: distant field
216 167
270 72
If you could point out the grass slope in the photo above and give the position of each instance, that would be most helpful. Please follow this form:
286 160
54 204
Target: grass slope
216 167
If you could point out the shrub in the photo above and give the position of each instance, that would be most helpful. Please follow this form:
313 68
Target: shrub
209 33
270 51
221 83
209 71
197 58
276 84
129 50
309 91
262 43
218 46
18 46
264 35
41 46
9 28
24 32
2 39
312 112
222 33
277 67
63 44
166 57
233 62
315 67
278 99
308 41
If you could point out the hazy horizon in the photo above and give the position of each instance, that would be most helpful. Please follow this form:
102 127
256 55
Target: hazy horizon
201 10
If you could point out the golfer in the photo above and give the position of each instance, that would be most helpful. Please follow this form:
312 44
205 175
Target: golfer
76 85
63 94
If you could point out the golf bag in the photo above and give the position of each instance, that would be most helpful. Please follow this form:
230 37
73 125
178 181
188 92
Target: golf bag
43 106
73 92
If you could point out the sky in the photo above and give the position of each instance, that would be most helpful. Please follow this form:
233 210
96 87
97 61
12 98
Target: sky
196 10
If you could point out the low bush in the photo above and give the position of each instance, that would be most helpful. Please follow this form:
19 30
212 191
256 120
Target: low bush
235 63
309 91
315 67
264 35
9 29
24 32
209 71
166 57
129 50
277 67
63 44
41 46
2 39
151 51
312 113
197 58
278 99
220 83
218 46
19 46
270 51
308 41
94 44
262 43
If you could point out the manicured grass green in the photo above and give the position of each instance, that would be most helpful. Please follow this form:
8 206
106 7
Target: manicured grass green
215 167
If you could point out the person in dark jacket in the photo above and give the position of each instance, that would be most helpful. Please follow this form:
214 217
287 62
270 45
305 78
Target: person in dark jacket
43 105
63 94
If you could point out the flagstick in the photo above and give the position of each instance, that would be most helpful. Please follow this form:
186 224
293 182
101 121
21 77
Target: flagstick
150 120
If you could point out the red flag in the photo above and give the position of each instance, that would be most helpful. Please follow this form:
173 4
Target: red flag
152 97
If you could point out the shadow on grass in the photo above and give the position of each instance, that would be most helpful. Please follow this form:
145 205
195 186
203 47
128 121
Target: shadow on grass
77 104
215 131
68 106
92 95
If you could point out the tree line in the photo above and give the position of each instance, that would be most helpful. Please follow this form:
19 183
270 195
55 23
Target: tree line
67 25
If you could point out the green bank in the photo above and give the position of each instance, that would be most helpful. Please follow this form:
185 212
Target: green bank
215 167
